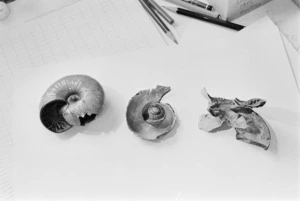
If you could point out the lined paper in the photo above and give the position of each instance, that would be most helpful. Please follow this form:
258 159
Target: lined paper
6 164
24 10
6 142
85 28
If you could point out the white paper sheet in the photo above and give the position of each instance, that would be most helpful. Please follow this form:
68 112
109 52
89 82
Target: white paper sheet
24 10
104 160
285 14
233 9
6 142
294 58
6 162
85 28
292 54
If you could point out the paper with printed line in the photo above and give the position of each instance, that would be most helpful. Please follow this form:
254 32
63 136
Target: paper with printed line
6 142
24 10
85 28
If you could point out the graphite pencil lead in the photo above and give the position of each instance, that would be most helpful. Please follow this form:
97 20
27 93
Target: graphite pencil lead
172 37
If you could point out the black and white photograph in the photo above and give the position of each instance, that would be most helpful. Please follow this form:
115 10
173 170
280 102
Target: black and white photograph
149 100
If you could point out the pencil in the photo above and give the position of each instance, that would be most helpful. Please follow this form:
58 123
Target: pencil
161 11
156 18
206 18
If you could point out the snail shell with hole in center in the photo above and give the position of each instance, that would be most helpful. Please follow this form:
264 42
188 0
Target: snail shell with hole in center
147 117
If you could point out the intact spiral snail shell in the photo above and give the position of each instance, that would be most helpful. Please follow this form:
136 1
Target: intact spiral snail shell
249 126
147 117
73 100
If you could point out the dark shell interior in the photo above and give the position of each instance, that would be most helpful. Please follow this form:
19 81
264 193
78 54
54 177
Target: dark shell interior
52 118
87 119
153 112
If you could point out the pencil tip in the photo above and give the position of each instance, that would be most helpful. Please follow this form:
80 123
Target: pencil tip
172 37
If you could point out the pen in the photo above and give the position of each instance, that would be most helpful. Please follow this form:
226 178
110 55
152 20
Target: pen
200 4
156 18
205 18
194 8
161 12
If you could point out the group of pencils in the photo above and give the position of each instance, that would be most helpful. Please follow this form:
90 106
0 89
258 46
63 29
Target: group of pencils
195 9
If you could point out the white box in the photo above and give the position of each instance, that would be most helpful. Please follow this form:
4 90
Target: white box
233 9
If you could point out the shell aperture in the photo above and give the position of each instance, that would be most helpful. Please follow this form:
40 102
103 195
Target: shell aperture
249 126
147 117
73 100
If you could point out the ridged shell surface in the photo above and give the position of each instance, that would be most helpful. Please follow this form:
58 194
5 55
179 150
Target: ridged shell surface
147 117
73 100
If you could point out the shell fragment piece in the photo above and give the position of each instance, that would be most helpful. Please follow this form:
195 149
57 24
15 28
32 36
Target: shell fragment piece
208 122
73 100
250 127
147 117
256 132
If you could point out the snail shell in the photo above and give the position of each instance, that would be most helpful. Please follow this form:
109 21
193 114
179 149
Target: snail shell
73 100
147 117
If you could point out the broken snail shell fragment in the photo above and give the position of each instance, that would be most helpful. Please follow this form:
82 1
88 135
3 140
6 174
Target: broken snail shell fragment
147 117
73 100
250 127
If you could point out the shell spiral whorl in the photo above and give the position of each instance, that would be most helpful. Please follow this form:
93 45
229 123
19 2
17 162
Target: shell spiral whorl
153 113
73 100
147 117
